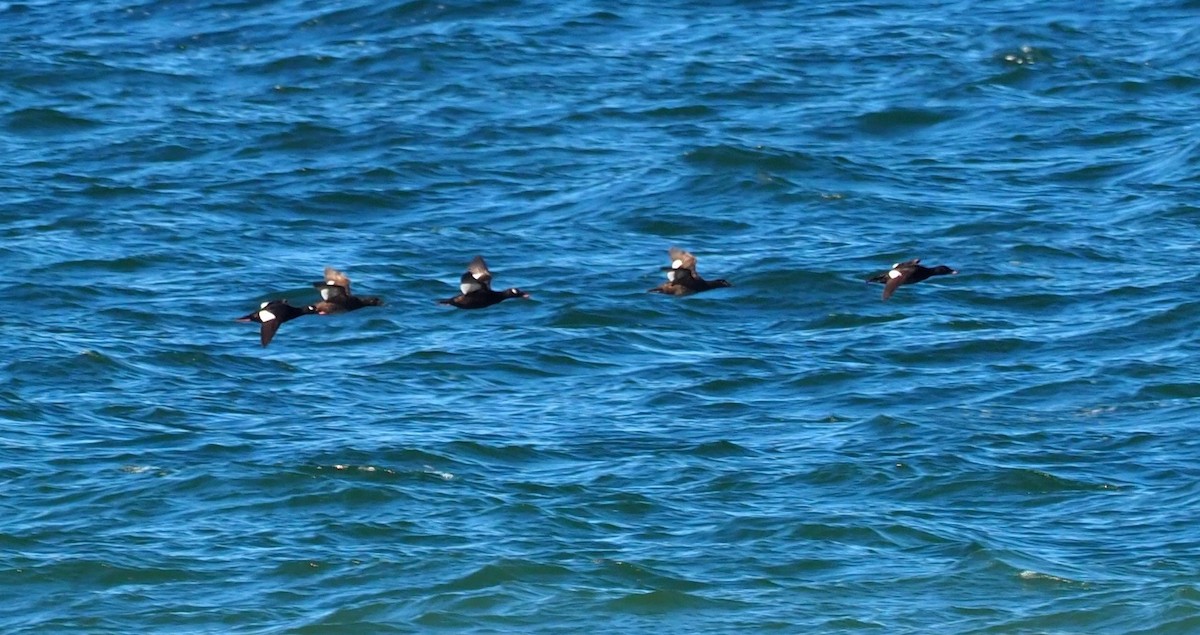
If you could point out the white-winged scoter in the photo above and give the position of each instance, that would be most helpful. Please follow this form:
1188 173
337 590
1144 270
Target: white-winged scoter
336 296
682 278
272 314
475 288
908 272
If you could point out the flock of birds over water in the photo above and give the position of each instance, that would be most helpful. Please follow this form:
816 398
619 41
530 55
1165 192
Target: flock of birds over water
475 290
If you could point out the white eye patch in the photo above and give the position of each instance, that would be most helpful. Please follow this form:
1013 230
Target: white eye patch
265 316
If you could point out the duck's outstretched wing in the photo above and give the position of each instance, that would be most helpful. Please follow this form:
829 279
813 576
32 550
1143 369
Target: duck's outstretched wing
268 330
476 278
681 259
898 275
335 286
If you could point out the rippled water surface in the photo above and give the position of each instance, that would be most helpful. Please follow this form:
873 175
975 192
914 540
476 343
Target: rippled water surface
1008 450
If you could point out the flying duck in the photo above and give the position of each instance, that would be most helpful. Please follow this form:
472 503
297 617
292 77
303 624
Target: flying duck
336 297
909 272
273 313
682 278
476 288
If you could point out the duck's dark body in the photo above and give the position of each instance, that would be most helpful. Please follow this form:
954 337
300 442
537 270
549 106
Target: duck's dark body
908 272
336 296
349 303
482 299
682 278
476 289
274 313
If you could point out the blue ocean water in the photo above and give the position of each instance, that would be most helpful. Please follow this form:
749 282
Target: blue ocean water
1008 450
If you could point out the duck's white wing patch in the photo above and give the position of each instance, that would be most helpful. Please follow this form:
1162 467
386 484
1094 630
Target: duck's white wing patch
332 292
469 287
263 305
265 315
895 273
671 274
677 263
